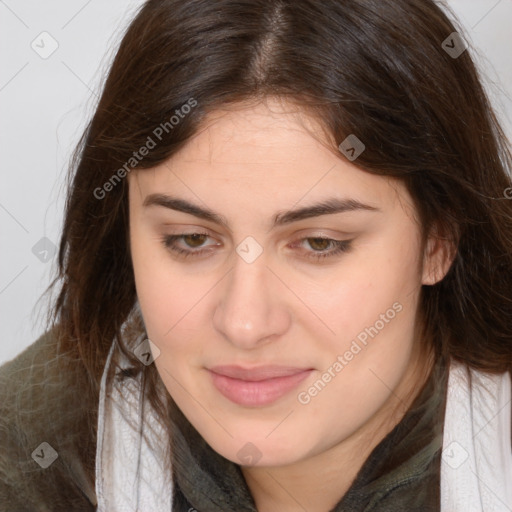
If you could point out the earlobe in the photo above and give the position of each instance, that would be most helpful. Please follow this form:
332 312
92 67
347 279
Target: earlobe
439 254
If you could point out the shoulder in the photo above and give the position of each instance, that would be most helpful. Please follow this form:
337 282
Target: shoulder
47 430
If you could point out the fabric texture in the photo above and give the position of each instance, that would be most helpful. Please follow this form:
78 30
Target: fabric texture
41 393
130 474
476 474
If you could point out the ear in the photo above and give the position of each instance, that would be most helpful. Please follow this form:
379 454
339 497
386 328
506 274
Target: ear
440 251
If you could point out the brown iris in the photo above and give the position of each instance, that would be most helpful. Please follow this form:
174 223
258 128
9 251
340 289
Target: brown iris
196 238
323 242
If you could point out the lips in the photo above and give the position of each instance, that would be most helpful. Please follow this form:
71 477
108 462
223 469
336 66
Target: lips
258 373
258 386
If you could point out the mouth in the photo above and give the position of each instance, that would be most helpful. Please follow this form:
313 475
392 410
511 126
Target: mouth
259 386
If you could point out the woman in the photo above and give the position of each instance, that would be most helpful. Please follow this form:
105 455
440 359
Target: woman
285 274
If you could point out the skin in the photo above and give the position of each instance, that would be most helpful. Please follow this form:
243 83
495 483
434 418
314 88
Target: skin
247 164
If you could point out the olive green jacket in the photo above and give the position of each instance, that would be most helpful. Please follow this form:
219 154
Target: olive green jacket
47 438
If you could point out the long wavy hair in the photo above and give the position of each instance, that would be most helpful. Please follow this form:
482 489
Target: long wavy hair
377 69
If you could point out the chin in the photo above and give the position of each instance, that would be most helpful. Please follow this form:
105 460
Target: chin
256 450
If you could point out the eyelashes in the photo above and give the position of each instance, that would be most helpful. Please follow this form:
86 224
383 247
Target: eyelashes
171 243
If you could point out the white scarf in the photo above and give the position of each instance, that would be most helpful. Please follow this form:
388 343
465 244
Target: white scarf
476 467
129 471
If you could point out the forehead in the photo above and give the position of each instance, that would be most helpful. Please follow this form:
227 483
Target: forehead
269 131
269 152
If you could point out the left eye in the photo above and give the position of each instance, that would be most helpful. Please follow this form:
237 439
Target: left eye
322 243
196 240
192 240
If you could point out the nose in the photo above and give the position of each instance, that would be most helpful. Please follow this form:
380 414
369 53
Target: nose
251 311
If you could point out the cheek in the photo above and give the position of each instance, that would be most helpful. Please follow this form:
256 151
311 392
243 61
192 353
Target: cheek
160 296
173 305
365 285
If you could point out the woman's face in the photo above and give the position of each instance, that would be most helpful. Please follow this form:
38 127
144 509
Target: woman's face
322 331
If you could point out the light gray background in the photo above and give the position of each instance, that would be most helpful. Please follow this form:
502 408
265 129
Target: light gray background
46 102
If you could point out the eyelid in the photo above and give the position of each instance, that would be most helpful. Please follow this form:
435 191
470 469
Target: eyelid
297 236
323 233
337 247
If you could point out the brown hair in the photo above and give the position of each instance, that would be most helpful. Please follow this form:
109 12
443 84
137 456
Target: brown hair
376 69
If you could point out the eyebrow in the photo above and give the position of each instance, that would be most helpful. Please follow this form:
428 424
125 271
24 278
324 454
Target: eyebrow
327 207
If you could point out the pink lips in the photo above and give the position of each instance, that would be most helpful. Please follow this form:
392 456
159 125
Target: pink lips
256 386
